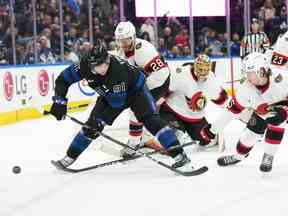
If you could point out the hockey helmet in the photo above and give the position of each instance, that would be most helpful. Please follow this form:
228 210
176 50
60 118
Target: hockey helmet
97 55
125 35
202 66
256 62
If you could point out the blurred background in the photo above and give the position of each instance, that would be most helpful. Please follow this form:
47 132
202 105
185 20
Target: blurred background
58 31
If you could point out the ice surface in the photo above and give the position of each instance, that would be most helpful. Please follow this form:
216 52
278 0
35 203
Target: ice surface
141 188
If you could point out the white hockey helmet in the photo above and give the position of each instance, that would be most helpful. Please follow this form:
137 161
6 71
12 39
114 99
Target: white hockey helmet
125 35
256 62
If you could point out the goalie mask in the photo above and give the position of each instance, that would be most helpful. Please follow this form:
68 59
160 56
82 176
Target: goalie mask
202 67
125 35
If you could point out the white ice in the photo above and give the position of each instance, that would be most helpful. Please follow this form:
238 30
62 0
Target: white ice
140 188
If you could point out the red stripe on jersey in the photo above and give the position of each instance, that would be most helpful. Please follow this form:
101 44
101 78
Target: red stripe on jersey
275 128
180 116
135 133
235 107
136 123
273 142
130 53
155 64
221 99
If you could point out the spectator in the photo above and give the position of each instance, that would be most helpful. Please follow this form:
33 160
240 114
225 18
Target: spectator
69 55
182 39
148 27
235 45
269 10
46 55
145 36
163 50
175 52
168 38
186 51
29 55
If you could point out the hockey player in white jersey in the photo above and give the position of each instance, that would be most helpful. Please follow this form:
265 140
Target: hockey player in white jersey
190 89
143 54
280 52
265 92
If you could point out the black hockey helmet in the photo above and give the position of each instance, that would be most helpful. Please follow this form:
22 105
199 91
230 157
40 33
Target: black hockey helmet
98 54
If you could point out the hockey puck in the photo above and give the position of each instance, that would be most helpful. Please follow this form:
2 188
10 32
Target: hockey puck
16 169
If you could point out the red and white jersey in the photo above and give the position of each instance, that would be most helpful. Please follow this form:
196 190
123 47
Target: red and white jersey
248 95
280 52
146 56
188 96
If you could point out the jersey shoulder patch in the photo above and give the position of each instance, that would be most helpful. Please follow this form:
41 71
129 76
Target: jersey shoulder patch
138 45
278 78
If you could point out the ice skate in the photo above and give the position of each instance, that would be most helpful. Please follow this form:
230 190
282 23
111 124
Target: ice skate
266 164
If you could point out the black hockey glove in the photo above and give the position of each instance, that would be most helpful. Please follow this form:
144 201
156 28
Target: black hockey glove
279 115
96 124
206 135
59 107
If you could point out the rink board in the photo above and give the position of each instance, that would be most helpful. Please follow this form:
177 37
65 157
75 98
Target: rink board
25 91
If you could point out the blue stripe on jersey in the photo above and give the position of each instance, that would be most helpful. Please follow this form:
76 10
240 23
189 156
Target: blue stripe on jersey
151 101
166 137
71 74
80 142
140 82
116 100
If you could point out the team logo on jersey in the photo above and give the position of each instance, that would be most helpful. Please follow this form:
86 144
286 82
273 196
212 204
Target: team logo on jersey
252 121
138 45
119 88
278 78
178 70
197 103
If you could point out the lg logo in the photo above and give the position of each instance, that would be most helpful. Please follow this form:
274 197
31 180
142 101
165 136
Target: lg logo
43 83
8 85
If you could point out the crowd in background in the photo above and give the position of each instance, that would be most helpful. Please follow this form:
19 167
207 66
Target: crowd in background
172 37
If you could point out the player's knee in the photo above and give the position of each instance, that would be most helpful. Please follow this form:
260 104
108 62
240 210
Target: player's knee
90 133
256 124
154 123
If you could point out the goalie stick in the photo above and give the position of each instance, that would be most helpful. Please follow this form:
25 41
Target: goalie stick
109 163
198 171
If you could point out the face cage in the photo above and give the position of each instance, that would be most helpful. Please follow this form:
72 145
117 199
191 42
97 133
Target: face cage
202 70
128 45
93 65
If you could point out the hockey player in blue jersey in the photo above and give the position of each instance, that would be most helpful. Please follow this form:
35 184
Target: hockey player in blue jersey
119 86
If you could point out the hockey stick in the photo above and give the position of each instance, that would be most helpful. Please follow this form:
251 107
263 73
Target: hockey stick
192 173
134 157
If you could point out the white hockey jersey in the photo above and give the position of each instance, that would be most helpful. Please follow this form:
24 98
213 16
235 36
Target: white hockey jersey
280 52
146 56
274 91
188 97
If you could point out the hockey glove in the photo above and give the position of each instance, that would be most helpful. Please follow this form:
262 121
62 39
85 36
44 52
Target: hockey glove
96 125
206 135
59 107
279 115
